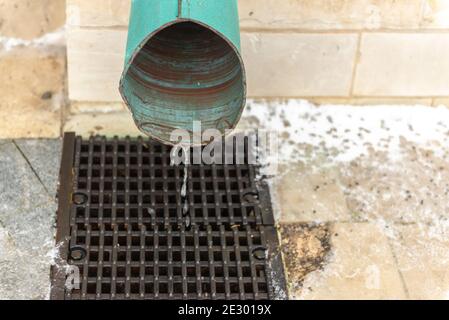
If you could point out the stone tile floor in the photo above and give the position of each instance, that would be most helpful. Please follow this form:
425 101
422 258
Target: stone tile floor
361 197
28 178
368 200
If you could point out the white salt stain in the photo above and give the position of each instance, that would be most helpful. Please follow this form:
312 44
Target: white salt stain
392 169
53 39
335 135
343 133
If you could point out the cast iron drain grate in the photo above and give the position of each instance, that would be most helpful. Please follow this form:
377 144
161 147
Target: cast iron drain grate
123 228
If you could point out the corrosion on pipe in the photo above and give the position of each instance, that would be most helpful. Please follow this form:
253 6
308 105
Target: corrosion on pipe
183 64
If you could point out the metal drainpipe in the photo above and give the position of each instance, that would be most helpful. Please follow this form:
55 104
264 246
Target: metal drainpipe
183 64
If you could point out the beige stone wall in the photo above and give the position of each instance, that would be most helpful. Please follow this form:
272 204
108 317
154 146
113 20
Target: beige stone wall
32 68
339 51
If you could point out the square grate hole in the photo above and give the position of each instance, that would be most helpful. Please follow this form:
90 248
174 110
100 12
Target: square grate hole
130 239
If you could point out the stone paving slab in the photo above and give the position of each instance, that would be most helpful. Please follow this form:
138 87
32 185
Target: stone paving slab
423 258
109 124
377 177
305 195
44 155
360 265
27 214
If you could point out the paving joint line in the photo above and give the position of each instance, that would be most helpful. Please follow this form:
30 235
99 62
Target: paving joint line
401 276
31 167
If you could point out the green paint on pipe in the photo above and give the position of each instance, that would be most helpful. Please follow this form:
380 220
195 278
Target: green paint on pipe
183 64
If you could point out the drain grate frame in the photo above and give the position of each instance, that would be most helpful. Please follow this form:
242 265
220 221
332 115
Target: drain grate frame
120 222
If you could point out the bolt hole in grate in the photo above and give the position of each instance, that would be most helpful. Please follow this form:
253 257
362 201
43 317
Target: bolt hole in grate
121 224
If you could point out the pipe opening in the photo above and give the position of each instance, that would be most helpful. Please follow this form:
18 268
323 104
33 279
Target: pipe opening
184 73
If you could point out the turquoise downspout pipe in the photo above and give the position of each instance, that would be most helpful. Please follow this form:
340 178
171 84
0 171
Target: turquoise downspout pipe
183 64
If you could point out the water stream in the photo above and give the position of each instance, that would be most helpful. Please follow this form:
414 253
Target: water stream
185 208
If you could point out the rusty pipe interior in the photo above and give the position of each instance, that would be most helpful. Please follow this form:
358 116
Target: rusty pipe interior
185 72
